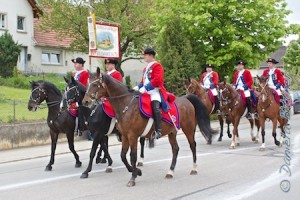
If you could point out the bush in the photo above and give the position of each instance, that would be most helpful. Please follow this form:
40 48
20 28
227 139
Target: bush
9 52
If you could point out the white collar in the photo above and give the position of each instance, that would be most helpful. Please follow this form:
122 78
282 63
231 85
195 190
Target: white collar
241 72
151 63
112 71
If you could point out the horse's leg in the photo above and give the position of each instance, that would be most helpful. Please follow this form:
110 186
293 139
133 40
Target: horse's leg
104 145
221 121
257 124
274 131
234 132
251 131
175 149
125 147
228 129
105 141
98 157
142 142
85 174
190 135
54 137
133 158
262 124
282 134
70 136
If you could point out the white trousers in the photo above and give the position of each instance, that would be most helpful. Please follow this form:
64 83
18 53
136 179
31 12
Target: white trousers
154 94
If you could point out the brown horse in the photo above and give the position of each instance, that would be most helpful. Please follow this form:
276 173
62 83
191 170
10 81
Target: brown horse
132 123
193 87
268 108
232 105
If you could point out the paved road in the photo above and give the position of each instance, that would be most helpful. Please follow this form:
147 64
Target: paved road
243 173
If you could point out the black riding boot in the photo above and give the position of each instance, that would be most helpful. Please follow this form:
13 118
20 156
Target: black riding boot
157 119
217 105
81 119
249 108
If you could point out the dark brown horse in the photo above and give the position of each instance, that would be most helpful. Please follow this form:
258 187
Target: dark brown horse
59 121
267 108
193 87
132 123
232 105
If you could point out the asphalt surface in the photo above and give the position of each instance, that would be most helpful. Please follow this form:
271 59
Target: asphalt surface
242 173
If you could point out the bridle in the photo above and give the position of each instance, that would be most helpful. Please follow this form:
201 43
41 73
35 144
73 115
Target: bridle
37 100
225 100
193 90
264 96
75 97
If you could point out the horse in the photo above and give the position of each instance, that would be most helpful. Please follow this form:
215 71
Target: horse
193 87
232 104
132 123
268 108
59 121
98 123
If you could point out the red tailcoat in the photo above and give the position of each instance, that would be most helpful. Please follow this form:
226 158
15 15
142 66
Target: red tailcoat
214 78
156 78
116 75
83 77
246 78
278 78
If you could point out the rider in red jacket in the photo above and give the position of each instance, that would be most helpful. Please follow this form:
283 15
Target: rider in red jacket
111 69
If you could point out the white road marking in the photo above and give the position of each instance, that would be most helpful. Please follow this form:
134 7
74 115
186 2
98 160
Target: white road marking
35 182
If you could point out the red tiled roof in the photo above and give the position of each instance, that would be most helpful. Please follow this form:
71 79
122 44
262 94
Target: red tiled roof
51 38
36 10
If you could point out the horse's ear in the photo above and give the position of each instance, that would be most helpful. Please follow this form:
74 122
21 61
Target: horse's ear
98 71
187 82
66 79
72 79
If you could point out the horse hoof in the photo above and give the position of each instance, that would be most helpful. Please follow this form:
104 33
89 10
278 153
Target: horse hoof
103 161
131 183
237 144
84 175
109 169
220 139
262 149
48 168
253 139
169 176
229 135
209 141
277 143
98 160
232 147
256 141
193 172
77 165
140 164
139 172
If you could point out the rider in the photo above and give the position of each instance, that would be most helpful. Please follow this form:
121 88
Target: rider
243 81
81 75
153 83
209 81
110 65
276 80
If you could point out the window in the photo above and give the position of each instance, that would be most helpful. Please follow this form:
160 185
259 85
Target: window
21 23
2 21
49 57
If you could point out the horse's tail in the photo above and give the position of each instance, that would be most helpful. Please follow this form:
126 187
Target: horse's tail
202 116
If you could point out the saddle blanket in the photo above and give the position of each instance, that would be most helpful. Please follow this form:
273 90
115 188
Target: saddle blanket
253 98
108 109
146 109
211 96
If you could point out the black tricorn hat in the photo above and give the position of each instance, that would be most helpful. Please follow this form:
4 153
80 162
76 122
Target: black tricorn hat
241 62
209 66
149 51
113 61
78 60
272 60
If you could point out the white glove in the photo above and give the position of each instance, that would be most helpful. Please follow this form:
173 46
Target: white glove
136 88
142 90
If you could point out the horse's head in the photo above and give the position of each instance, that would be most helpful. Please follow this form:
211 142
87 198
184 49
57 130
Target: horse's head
263 87
74 91
193 87
37 96
96 88
226 91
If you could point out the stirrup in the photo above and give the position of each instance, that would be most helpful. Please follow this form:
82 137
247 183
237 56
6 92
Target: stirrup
218 112
156 135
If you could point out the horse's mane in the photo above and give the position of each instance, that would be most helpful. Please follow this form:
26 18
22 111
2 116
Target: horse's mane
46 85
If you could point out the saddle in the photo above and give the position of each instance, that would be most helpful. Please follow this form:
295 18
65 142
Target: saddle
146 109
211 96
253 98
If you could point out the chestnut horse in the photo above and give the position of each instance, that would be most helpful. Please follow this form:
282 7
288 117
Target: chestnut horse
193 87
132 123
268 108
232 105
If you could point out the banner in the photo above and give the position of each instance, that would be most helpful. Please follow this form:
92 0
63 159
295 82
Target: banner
107 41
92 32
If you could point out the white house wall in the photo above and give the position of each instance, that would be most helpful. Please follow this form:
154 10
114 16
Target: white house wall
13 9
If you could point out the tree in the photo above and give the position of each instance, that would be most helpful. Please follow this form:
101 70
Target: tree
292 64
223 31
69 18
9 52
